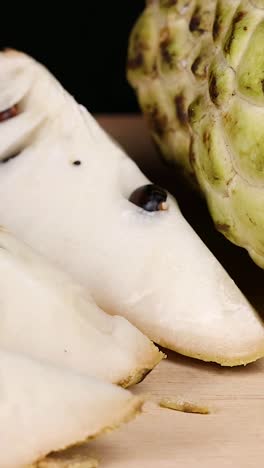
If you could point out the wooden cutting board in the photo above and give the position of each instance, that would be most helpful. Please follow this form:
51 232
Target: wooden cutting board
232 435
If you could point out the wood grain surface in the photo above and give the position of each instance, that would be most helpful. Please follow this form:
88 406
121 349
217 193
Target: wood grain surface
232 435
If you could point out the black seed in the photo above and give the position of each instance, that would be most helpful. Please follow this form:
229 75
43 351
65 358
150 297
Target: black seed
77 163
150 197
8 113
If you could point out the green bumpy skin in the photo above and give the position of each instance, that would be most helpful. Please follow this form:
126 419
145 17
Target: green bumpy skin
197 68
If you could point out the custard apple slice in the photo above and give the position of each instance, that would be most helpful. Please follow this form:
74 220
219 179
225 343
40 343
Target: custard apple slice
197 68
47 315
45 409
69 191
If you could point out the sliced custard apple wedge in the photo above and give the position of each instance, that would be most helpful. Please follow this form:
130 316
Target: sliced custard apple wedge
69 191
45 409
47 315
197 68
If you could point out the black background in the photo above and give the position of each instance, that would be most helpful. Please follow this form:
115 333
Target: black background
84 45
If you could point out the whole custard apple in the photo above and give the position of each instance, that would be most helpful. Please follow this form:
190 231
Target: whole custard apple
197 68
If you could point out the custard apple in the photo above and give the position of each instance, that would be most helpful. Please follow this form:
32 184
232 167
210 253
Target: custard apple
197 68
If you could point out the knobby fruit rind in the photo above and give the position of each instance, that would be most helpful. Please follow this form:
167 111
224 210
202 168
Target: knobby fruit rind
200 85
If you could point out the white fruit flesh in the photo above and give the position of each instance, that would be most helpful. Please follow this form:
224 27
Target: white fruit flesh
48 316
150 267
45 409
